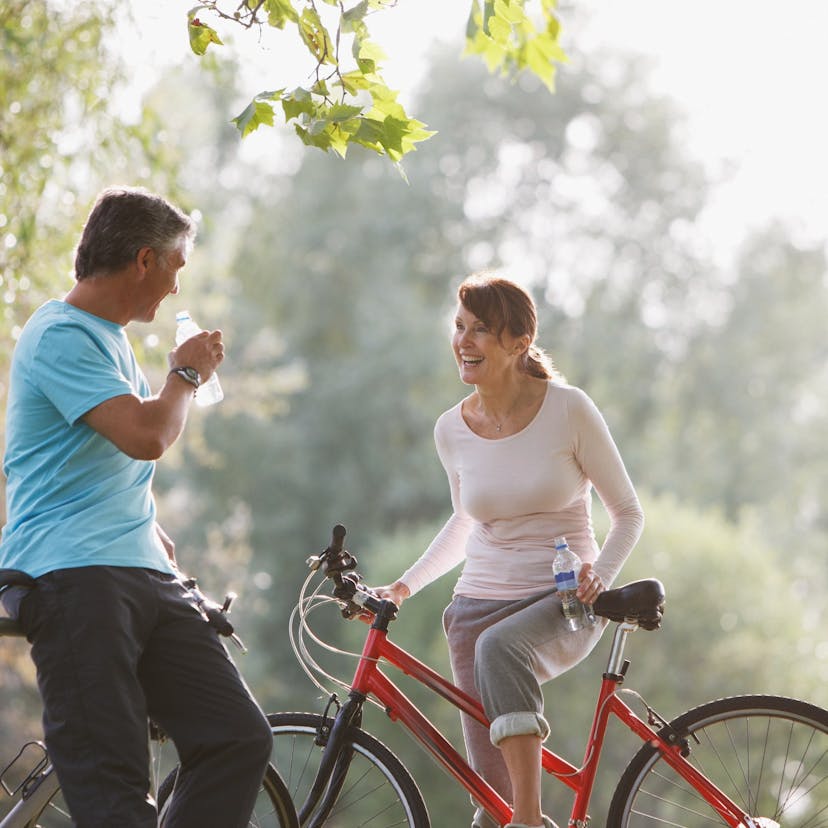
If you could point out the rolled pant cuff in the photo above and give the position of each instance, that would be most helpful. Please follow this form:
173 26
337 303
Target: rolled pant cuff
518 724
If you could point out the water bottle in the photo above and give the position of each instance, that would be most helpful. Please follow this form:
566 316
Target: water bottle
210 392
566 566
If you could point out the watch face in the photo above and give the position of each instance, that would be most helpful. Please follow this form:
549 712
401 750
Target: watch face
192 374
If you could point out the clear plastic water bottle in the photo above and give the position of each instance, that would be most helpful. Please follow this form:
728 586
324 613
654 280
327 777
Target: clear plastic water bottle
210 392
566 565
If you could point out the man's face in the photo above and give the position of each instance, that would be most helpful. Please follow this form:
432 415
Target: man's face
161 279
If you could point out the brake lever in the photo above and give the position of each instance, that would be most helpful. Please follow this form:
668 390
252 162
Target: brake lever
217 614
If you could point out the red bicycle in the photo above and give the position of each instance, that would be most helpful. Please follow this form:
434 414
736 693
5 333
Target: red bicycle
744 762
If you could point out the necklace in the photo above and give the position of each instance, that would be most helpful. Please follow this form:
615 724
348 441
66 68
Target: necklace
498 427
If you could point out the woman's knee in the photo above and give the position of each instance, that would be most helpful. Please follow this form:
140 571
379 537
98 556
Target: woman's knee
522 723
494 649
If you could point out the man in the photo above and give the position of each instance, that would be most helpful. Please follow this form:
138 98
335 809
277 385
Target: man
115 636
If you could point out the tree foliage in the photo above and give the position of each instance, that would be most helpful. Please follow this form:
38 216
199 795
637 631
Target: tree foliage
349 103
61 140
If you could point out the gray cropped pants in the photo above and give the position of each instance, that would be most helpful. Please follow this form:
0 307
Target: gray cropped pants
501 653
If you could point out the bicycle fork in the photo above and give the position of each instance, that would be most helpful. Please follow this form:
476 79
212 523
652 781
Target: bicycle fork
336 760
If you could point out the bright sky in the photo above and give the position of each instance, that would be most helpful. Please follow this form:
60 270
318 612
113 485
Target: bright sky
750 73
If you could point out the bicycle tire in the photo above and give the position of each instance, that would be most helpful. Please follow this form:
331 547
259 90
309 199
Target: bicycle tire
274 806
769 754
378 792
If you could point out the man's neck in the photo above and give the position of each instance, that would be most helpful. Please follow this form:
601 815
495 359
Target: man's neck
102 296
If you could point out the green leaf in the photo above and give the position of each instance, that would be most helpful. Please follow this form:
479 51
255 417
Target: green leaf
280 12
321 140
353 19
368 54
353 82
393 136
316 37
256 113
201 35
339 113
474 23
298 102
510 12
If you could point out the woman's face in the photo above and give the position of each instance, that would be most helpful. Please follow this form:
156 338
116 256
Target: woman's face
481 357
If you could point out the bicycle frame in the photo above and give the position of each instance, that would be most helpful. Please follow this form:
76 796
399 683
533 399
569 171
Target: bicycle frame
368 679
37 789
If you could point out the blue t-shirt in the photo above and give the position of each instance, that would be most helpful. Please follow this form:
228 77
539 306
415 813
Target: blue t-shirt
73 498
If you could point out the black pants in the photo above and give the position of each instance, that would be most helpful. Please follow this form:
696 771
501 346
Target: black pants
114 646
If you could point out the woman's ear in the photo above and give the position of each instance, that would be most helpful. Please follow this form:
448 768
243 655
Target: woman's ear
522 344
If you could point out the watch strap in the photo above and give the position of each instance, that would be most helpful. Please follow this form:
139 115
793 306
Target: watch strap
189 375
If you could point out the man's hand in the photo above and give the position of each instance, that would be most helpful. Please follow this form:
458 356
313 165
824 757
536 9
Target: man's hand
167 543
204 352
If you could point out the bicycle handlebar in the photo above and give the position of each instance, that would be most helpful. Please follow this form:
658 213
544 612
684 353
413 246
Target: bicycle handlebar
639 602
338 564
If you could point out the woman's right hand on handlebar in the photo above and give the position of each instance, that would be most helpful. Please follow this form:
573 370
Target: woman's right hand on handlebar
396 592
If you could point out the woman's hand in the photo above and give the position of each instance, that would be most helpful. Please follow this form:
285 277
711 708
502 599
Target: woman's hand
590 585
396 592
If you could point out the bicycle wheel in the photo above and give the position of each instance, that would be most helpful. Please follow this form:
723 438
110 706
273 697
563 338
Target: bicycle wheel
378 790
273 805
769 754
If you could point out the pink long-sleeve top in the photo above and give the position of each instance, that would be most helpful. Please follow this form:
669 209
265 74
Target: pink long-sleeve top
513 495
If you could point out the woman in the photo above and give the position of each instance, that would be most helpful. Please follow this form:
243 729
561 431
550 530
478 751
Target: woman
522 453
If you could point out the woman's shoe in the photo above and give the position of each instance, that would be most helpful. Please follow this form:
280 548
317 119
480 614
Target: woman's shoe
483 820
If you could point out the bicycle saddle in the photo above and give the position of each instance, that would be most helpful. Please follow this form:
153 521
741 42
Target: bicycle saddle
638 601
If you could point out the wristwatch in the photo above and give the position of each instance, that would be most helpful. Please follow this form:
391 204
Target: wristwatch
189 375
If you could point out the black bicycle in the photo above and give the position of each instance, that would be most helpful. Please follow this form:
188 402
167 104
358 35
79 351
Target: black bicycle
33 798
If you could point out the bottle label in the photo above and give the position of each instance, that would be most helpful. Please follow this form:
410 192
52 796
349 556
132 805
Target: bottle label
566 580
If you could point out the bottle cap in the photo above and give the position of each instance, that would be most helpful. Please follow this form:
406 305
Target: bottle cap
560 543
182 315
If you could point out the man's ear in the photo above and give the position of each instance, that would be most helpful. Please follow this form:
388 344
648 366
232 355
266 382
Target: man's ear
144 259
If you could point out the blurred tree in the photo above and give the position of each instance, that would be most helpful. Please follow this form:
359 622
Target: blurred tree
61 140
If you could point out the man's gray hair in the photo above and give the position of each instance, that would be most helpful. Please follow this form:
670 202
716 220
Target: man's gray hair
123 220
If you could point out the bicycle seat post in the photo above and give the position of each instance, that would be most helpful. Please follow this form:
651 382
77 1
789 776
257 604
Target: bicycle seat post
616 667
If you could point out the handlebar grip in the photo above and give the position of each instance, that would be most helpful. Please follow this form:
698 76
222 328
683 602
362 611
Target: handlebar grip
337 538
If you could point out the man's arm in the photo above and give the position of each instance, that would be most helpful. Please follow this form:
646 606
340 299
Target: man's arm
145 428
